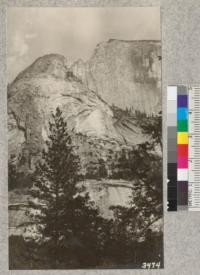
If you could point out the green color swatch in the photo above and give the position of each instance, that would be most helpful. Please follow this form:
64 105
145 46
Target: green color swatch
182 126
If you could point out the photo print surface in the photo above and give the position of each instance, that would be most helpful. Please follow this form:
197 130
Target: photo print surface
85 138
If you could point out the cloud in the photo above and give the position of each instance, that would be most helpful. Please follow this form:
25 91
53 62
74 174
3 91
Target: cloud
18 52
19 47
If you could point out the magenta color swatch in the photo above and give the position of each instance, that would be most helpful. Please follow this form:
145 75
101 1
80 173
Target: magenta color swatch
182 162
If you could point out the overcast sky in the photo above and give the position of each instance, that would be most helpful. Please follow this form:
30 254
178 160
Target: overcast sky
72 32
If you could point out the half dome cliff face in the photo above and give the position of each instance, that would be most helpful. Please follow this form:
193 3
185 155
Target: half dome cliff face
125 73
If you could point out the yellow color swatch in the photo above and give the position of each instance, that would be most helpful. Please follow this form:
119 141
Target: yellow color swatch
182 138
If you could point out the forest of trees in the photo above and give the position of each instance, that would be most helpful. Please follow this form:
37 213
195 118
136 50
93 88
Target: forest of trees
69 230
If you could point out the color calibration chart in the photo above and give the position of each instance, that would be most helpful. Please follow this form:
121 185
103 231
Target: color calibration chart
183 147
194 149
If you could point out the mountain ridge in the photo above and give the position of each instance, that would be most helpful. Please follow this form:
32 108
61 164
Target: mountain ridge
124 73
51 81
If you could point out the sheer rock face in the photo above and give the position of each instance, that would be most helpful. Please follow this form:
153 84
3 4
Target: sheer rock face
125 73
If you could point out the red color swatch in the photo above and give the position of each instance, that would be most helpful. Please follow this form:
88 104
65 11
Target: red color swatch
182 150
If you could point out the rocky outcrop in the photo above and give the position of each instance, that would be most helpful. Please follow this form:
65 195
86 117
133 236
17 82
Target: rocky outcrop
120 73
47 84
51 65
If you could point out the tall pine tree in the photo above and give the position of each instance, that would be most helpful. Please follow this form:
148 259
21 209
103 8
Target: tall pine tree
66 218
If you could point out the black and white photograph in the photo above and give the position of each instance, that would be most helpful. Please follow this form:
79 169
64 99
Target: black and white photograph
84 138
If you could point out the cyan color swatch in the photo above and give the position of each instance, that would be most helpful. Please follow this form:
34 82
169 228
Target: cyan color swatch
182 113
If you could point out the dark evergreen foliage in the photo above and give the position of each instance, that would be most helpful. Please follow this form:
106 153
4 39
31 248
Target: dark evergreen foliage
102 169
73 233
17 179
12 176
132 230
153 127
66 218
